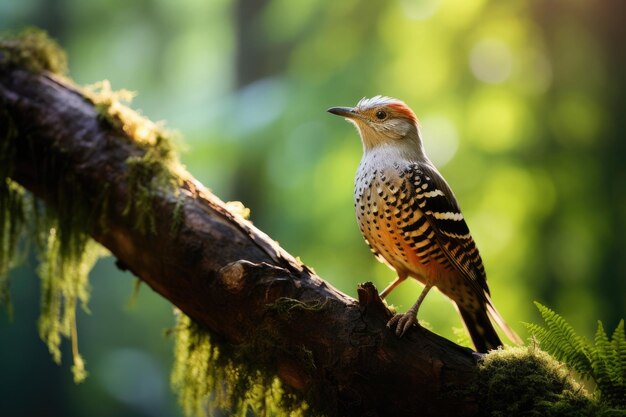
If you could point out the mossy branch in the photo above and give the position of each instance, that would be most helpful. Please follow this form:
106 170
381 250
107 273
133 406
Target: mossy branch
257 328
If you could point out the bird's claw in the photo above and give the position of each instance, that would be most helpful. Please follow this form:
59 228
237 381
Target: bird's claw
402 322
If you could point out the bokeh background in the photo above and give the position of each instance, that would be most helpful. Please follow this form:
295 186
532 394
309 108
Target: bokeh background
522 107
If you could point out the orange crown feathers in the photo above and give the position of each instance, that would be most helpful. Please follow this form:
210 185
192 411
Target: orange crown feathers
393 103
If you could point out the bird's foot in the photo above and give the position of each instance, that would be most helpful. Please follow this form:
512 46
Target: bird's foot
402 322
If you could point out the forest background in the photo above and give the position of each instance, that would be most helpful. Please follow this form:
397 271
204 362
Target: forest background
521 106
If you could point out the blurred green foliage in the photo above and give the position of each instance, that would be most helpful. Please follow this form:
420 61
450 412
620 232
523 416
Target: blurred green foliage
521 106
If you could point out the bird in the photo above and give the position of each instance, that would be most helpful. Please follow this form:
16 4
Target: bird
411 220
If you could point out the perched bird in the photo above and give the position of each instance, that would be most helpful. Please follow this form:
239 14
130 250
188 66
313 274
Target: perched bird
411 220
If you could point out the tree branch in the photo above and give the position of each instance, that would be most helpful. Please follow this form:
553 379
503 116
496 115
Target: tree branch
229 276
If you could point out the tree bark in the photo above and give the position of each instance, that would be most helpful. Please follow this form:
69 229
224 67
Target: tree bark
229 276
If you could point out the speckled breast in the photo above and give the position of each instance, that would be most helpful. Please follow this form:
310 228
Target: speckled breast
397 232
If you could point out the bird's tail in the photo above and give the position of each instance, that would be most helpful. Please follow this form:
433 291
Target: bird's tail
481 330
495 316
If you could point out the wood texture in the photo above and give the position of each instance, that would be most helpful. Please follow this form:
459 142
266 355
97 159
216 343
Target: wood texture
229 276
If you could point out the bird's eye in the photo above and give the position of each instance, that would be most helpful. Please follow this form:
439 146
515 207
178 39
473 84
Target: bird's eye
380 115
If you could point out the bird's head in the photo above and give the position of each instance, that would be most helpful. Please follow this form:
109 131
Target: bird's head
382 120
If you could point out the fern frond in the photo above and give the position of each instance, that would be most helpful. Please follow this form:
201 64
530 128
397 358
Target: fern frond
619 344
599 356
604 360
548 341
560 340
611 381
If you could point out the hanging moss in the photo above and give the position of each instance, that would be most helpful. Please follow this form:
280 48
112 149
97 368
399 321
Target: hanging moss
205 375
12 226
34 50
151 172
11 207
64 283
65 252
147 175
61 235
209 378
66 255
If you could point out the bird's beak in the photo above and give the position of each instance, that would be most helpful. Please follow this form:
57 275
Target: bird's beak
347 112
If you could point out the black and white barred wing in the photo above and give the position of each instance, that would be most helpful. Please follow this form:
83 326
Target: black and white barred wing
428 192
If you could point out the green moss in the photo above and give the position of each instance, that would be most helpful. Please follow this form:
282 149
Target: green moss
237 207
12 227
60 237
134 296
61 234
12 216
112 107
151 172
8 134
209 377
178 217
147 176
34 50
66 256
234 378
525 381
64 283
286 306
